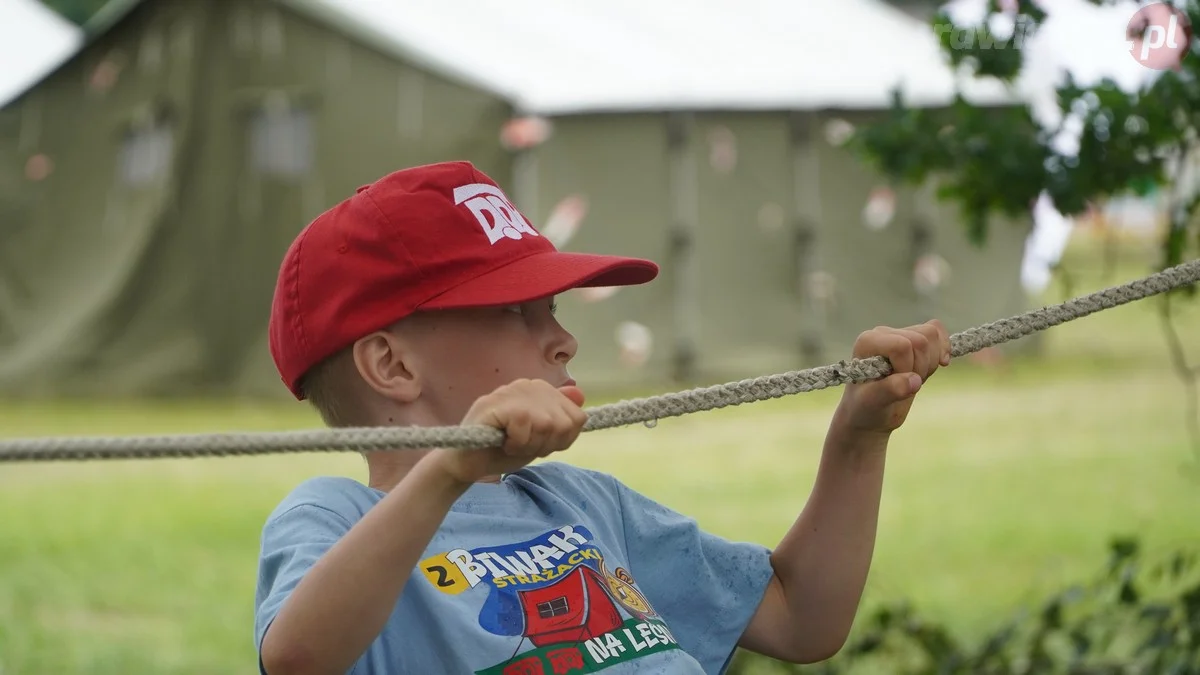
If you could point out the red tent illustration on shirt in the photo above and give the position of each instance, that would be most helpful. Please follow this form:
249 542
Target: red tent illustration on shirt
572 609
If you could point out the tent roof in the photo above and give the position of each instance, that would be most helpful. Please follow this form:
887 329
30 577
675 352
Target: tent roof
34 41
551 57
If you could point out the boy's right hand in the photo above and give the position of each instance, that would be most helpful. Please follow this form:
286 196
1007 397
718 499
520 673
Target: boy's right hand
537 418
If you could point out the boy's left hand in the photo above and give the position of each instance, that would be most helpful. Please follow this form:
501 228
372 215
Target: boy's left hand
916 352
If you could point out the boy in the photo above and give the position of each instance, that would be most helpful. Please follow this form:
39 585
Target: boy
427 299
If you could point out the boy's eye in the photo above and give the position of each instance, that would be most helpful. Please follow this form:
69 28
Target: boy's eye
523 309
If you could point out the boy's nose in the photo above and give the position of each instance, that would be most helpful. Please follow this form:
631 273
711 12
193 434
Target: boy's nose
565 346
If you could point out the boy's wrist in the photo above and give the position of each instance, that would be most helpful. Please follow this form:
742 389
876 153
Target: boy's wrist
845 435
435 469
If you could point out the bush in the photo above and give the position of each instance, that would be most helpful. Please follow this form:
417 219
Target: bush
1133 619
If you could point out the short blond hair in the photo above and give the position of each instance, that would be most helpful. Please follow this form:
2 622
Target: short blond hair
326 388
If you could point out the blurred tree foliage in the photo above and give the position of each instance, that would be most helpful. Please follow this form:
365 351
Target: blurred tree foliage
77 11
1137 617
999 160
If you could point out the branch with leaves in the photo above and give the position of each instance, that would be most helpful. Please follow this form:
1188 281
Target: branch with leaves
999 160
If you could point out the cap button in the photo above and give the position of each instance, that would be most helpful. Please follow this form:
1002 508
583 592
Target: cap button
360 189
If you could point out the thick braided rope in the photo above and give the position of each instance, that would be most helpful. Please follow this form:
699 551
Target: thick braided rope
646 410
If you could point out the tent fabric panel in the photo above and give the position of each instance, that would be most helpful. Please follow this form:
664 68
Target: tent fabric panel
750 309
869 269
92 242
619 165
342 88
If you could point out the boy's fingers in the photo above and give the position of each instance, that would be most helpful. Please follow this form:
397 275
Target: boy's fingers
890 390
545 430
573 409
575 394
518 431
918 345
572 436
939 341
898 349
941 338
560 439
494 418
897 387
538 418
566 430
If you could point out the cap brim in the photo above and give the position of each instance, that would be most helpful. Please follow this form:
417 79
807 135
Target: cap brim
544 274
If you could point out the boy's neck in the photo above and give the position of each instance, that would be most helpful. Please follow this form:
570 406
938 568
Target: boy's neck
386 469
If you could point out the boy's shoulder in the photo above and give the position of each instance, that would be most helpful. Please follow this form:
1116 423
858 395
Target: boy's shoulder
341 495
567 476
572 487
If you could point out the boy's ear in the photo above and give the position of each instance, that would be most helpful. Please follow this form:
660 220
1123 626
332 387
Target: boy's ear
383 361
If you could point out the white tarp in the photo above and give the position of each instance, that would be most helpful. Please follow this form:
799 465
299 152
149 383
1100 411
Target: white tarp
34 40
550 56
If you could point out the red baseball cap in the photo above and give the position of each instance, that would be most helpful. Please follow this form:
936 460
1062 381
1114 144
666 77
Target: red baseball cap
439 236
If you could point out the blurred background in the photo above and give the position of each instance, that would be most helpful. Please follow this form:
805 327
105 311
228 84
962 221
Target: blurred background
802 171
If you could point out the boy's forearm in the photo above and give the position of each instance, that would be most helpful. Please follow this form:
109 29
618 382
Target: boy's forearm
343 602
823 561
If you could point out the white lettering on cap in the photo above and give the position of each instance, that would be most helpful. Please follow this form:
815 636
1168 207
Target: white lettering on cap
504 221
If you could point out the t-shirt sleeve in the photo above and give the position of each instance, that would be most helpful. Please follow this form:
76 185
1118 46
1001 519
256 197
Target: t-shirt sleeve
705 587
292 542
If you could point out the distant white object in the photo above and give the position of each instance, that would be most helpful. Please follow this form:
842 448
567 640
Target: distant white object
636 342
34 40
930 273
1045 245
880 208
1135 214
565 219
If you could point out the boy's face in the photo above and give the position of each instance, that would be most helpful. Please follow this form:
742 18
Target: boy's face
463 354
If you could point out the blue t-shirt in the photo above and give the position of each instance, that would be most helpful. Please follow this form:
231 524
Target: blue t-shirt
554 570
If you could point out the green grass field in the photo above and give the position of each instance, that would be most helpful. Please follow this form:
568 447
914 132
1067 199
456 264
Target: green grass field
1002 486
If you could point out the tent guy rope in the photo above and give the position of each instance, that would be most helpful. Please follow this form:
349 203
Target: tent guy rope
645 410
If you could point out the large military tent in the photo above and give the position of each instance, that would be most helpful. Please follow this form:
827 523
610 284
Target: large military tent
153 181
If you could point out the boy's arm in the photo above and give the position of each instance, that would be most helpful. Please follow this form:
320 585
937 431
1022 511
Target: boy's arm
821 564
344 600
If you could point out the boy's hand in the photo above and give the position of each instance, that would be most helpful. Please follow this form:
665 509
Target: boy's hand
915 352
537 419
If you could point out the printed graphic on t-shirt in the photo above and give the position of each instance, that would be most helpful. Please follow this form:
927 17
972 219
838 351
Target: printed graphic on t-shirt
555 596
